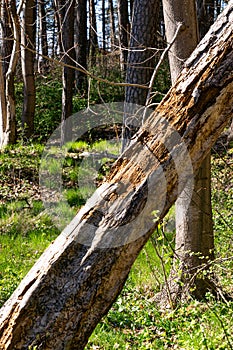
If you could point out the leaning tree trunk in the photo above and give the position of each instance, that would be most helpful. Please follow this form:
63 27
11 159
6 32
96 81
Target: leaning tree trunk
72 286
194 243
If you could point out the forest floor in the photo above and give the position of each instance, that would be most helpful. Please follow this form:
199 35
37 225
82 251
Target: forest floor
27 228
134 321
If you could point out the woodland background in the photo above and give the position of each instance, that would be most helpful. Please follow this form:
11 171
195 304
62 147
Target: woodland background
59 57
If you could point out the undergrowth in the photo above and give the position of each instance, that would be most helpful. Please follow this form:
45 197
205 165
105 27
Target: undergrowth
26 229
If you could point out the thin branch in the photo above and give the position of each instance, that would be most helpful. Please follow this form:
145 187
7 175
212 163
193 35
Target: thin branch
89 74
180 25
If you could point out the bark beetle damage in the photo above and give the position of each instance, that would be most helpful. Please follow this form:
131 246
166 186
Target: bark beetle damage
197 97
93 217
125 169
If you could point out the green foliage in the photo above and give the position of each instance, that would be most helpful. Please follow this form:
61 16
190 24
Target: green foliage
25 233
134 322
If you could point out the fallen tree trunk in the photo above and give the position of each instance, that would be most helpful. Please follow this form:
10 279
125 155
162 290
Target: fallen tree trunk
72 285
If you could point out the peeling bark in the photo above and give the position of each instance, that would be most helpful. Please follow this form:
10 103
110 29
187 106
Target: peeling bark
72 286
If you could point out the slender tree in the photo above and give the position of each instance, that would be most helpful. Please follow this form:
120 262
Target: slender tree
194 245
28 47
93 38
43 31
124 28
104 25
57 24
131 3
81 44
66 19
112 25
141 59
9 58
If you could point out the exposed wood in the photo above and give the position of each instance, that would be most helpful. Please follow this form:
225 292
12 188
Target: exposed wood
72 286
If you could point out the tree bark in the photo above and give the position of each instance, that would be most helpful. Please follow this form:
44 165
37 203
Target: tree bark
72 286
103 25
57 22
123 19
66 14
194 243
7 74
43 32
93 39
81 44
206 11
112 25
141 58
28 37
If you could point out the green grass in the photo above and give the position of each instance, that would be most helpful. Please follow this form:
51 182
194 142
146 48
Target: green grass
25 233
134 322
26 229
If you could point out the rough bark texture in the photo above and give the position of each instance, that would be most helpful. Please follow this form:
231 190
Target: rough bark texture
93 39
81 44
194 227
141 58
66 12
10 52
28 35
72 286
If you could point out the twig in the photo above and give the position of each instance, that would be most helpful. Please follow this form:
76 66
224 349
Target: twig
180 25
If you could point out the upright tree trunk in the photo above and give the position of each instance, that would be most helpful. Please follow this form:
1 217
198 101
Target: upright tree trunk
57 20
10 54
194 243
206 14
141 58
81 44
28 47
43 31
72 286
123 19
66 14
3 113
131 3
93 39
103 25
112 25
